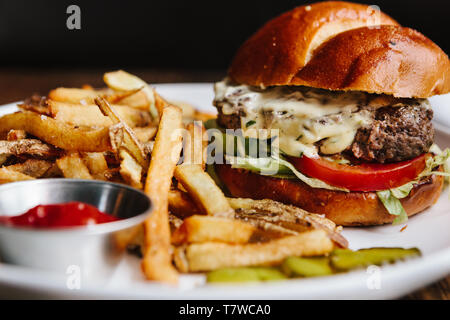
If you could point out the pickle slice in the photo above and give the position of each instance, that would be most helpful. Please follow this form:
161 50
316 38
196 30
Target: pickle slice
306 267
250 274
344 259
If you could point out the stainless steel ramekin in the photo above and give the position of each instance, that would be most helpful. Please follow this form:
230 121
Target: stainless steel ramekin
88 250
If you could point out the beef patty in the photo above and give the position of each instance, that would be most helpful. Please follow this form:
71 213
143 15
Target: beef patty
397 133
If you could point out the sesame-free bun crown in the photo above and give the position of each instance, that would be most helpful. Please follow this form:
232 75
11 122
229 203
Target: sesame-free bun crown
342 46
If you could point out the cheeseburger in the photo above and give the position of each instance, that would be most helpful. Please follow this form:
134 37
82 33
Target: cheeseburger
345 87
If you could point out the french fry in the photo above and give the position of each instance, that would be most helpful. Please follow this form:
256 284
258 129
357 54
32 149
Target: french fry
197 229
130 141
32 167
156 263
73 95
41 109
181 204
130 170
160 102
14 135
96 163
207 256
203 190
187 109
32 147
285 216
135 99
124 81
53 172
194 150
57 133
72 166
7 175
174 222
145 134
90 115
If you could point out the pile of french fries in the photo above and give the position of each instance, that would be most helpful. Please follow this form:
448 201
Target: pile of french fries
129 134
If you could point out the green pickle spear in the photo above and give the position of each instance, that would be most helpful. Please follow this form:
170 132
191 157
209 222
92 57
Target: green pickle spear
306 267
247 274
344 259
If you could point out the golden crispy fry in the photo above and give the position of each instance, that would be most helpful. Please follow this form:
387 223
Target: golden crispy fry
213 255
90 115
267 231
174 222
202 188
32 167
196 229
130 170
285 216
14 135
124 81
181 204
7 175
194 150
96 163
145 134
72 166
160 102
53 172
130 141
73 95
57 133
187 109
156 263
135 99
41 109
32 147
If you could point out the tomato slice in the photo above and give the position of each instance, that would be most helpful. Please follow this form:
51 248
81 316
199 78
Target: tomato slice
362 177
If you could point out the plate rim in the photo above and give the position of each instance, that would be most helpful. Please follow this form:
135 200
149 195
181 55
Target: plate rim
439 259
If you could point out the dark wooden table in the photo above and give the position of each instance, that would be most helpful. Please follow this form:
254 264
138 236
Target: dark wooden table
16 84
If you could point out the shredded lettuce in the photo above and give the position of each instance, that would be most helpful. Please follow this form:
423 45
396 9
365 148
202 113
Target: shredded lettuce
391 198
393 206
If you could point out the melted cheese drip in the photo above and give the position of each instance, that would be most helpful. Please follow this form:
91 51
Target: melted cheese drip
303 116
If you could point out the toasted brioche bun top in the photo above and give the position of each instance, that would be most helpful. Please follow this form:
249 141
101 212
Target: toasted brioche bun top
342 46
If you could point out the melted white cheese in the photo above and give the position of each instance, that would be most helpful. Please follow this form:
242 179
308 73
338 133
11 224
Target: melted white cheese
302 116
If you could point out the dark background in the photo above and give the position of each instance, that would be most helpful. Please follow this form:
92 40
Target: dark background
163 34
160 41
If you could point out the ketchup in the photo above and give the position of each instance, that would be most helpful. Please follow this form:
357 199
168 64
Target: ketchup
59 215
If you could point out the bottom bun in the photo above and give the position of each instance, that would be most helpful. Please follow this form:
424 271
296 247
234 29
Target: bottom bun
344 208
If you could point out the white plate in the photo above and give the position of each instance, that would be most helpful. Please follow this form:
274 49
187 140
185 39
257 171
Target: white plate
427 231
